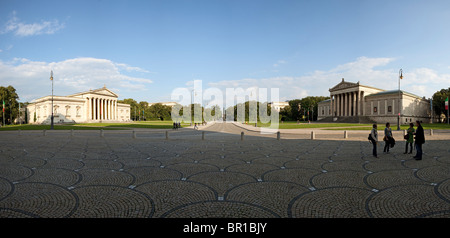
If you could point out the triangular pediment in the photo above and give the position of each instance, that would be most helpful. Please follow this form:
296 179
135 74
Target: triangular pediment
101 91
343 85
104 91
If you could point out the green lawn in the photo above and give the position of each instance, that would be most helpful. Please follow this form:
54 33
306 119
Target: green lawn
56 127
97 126
138 124
434 126
350 126
303 125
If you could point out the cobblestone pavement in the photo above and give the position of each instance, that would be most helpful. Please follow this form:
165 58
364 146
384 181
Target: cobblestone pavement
86 175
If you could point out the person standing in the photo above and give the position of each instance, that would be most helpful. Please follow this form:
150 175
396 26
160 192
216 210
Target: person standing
374 140
410 136
419 140
387 137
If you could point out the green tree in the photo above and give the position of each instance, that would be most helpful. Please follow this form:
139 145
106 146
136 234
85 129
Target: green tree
10 97
438 102
160 111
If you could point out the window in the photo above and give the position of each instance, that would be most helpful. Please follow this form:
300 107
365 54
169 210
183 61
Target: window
374 109
389 108
67 111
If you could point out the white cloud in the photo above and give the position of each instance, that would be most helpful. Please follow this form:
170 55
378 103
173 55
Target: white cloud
38 28
368 71
32 78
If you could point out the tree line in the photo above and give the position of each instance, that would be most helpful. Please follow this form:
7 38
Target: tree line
298 110
304 109
144 111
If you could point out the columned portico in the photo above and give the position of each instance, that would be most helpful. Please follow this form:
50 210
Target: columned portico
347 99
90 106
353 102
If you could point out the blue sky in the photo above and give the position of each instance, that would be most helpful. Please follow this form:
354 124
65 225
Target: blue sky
146 49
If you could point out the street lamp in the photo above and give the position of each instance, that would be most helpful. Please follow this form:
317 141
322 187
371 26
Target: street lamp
51 123
400 76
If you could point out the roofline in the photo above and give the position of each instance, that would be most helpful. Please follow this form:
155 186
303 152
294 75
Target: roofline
395 92
354 86
91 91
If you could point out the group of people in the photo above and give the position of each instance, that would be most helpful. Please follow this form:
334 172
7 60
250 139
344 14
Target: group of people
415 136
176 125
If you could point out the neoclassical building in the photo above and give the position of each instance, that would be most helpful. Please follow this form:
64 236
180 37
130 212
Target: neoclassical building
353 102
278 105
99 105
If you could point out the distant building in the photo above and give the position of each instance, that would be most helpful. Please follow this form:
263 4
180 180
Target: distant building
353 102
90 106
278 105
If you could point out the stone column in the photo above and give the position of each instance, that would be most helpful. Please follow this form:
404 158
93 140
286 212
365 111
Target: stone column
393 106
103 108
345 101
109 109
334 106
330 112
88 116
106 109
339 105
359 103
363 104
354 104
99 108
94 109
385 107
378 107
116 111
341 97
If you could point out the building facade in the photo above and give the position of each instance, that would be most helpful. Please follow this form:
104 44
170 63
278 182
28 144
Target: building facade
278 105
353 102
99 105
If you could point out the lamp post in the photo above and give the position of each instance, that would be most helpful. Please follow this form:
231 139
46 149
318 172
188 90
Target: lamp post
51 123
400 76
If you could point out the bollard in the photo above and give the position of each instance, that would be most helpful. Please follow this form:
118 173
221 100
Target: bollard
203 135
101 133
313 136
345 135
242 135
431 132
44 132
167 135
134 134
278 135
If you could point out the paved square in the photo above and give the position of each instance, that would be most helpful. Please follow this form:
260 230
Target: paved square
86 175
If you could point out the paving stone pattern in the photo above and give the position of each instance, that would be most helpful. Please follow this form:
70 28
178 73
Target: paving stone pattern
86 175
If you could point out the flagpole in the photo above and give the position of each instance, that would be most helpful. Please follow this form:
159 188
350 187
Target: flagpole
399 99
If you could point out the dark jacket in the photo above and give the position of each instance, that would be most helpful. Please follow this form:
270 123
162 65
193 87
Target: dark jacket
420 137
